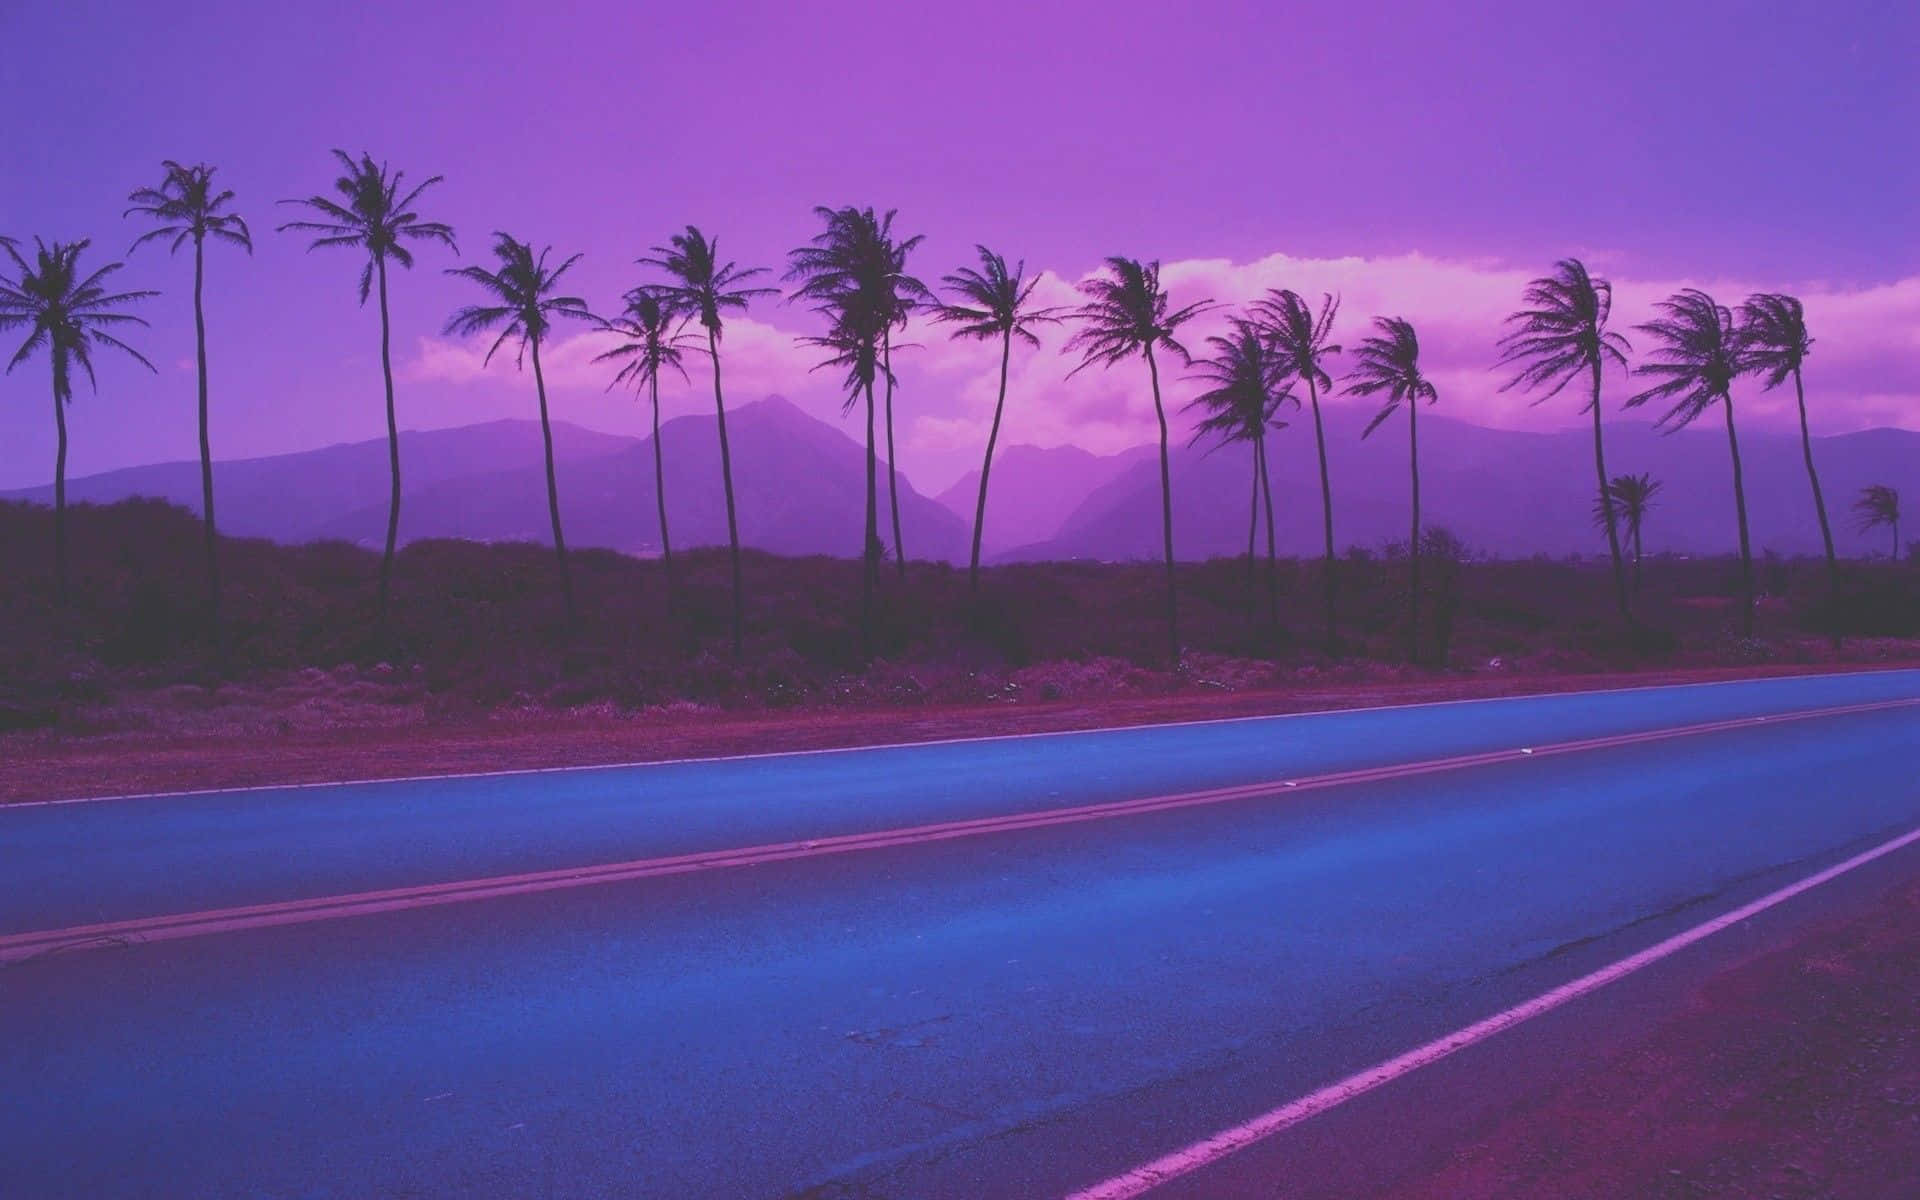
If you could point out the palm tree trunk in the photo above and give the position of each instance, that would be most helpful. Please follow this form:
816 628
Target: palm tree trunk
1819 505
893 470
1166 516
1326 513
1273 568
1413 544
1253 527
1606 507
1636 558
660 491
206 448
986 467
1740 505
870 555
726 480
60 478
553 487
393 443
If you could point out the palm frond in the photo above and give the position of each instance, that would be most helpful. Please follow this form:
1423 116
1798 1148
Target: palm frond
1562 334
1387 364
1694 361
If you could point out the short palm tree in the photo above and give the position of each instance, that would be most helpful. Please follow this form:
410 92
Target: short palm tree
1126 313
993 302
375 215
1629 497
1241 404
1879 505
651 341
701 285
67 312
1774 344
1560 336
524 303
1693 367
186 207
1387 364
1299 337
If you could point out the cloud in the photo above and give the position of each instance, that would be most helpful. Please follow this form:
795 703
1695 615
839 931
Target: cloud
1864 369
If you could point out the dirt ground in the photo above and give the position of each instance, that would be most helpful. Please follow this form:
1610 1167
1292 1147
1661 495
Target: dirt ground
239 738
1795 1075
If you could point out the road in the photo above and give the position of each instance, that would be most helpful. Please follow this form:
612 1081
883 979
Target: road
1016 993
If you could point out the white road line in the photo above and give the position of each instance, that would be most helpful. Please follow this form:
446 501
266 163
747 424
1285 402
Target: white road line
1143 1179
955 741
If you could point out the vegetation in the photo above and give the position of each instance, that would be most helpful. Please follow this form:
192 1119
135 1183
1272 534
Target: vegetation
185 207
1879 505
1629 497
651 338
1774 345
1387 364
373 214
1299 336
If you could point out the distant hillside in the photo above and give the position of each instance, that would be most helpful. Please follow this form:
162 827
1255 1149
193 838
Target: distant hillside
1507 493
1035 489
799 485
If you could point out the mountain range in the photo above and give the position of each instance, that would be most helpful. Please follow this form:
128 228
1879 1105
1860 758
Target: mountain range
800 490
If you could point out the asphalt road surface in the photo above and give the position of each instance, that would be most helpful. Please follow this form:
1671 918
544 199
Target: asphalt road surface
1013 967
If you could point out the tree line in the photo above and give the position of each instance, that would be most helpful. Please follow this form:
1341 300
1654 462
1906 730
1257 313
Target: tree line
854 273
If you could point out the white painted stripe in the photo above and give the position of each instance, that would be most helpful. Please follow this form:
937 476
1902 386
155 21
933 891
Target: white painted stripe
1167 1168
1520 697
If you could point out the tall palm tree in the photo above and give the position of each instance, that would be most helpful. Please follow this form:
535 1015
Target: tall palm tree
525 303
1241 404
652 340
1127 312
1774 344
375 215
1387 364
1879 505
186 207
993 303
67 313
1629 497
1299 336
1694 367
701 285
902 293
1561 335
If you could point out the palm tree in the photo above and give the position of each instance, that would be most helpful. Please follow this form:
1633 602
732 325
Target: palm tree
1298 336
1127 312
901 294
1560 336
1241 405
706 288
373 214
186 207
524 308
1694 367
1388 364
1773 344
994 302
67 313
1629 497
1879 505
653 340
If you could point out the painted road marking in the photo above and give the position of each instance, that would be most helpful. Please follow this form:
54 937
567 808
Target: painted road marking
1145 1178
18 946
931 742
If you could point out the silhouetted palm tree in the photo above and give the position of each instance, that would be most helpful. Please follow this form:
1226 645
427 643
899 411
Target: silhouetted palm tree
1629 497
525 306
1388 364
706 288
1560 336
1241 405
374 215
994 303
1774 344
1879 505
653 340
1698 357
901 295
187 208
1127 313
1299 336
66 313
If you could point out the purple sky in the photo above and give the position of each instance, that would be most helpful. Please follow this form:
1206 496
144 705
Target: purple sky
1424 158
